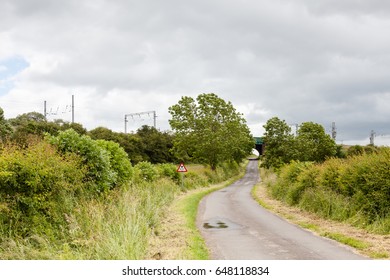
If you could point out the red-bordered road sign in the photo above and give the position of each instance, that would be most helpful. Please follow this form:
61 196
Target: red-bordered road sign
181 168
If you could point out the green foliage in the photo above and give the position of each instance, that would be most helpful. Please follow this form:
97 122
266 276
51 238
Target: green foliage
310 144
168 170
145 171
278 143
327 204
100 174
5 127
48 206
358 150
354 189
35 125
34 184
209 130
131 143
313 144
148 144
157 145
347 240
331 175
46 211
119 161
305 180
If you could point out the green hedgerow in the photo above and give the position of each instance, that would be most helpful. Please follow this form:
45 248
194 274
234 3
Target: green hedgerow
119 161
100 174
34 185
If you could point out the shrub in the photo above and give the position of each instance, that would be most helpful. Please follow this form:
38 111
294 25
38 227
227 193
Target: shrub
370 181
356 188
327 204
100 174
168 170
35 184
119 161
330 175
145 171
307 178
289 173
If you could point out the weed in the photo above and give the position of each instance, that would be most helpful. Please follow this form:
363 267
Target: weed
355 243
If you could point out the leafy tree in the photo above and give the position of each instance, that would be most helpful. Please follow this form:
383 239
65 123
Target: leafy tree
313 144
64 125
279 143
5 127
31 124
157 145
209 130
132 144
36 124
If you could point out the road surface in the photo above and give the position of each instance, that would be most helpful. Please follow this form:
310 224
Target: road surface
235 227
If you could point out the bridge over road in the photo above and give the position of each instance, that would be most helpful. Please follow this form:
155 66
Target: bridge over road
259 144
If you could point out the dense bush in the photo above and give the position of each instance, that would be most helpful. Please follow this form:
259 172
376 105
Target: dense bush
169 170
119 161
106 162
34 186
340 188
145 171
48 203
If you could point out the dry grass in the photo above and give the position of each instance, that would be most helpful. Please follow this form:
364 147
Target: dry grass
169 241
172 239
378 246
176 237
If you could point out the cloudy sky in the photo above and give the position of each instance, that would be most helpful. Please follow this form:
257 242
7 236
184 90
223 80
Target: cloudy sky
301 60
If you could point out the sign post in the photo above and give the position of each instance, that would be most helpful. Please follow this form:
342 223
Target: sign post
182 169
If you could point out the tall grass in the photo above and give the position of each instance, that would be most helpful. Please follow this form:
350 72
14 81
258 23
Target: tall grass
69 220
356 189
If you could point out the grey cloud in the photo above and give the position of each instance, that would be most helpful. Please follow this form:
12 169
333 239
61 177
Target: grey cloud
354 7
301 60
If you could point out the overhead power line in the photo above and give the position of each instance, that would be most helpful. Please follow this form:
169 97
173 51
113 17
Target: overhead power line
132 115
65 110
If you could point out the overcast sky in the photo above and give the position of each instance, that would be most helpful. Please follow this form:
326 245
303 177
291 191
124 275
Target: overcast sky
301 60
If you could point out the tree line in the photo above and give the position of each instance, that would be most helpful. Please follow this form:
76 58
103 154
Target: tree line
147 144
310 144
313 173
205 130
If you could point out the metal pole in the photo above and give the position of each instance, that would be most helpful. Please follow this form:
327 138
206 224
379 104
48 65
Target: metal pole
125 124
334 132
44 109
142 113
72 108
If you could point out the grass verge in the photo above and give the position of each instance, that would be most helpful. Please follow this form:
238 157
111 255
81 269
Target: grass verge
177 237
376 246
347 240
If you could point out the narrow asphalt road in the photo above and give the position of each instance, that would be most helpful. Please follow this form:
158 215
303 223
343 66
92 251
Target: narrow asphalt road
235 227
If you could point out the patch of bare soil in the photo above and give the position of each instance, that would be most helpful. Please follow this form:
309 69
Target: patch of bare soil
378 245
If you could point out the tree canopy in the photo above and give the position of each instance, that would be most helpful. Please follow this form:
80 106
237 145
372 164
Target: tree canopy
148 144
209 130
278 143
5 127
310 144
313 144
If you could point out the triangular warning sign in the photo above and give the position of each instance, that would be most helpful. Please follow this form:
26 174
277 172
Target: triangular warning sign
181 168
